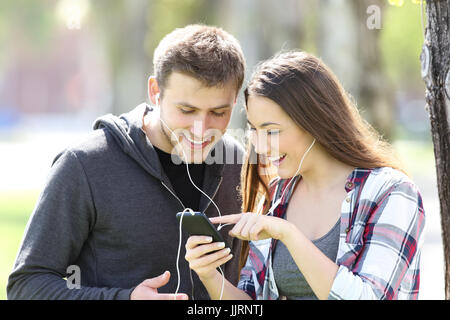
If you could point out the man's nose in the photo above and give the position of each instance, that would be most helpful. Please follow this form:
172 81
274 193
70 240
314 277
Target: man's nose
199 127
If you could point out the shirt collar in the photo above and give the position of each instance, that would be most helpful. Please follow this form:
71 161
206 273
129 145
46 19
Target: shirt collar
356 177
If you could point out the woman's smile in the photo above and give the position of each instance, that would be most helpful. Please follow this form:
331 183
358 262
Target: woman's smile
276 161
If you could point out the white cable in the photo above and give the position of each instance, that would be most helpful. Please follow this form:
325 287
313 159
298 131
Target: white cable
179 250
276 203
223 283
187 169
187 209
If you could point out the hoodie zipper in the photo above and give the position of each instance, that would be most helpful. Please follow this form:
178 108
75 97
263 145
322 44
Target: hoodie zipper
217 188
214 194
190 270
174 195
184 207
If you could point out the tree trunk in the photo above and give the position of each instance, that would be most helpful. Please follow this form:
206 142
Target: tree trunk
435 60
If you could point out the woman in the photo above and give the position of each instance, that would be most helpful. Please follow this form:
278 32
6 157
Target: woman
341 221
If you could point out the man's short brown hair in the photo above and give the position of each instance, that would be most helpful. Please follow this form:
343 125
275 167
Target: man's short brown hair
206 53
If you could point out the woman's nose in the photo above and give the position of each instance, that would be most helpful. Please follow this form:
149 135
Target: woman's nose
259 142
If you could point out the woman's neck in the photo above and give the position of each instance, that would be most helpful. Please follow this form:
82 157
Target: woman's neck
325 174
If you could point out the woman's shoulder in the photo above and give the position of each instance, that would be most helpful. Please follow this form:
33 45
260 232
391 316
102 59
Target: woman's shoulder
387 177
385 181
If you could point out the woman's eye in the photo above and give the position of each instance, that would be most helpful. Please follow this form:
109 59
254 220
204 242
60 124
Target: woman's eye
272 132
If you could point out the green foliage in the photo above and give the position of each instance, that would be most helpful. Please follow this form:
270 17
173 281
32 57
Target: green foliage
401 42
30 23
166 15
15 209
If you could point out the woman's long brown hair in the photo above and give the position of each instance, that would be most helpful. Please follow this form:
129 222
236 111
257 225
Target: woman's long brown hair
308 91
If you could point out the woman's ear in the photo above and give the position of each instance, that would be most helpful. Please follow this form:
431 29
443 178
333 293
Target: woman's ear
153 90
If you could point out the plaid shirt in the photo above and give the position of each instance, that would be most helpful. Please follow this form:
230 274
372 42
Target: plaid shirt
381 226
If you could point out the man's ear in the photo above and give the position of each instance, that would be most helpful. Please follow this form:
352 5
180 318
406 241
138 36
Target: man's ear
153 90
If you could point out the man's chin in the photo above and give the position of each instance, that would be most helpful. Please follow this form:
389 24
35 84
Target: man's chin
189 155
197 153
198 156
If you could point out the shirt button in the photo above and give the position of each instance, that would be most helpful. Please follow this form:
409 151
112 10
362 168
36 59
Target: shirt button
347 199
349 185
347 230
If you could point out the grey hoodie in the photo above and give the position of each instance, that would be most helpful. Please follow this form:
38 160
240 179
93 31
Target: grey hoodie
109 209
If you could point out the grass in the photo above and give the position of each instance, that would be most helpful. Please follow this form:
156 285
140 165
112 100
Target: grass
16 206
15 209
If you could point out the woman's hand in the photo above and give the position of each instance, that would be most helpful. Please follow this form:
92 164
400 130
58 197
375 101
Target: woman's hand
253 226
202 258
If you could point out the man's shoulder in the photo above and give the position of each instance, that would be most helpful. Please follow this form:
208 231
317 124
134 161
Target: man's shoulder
94 144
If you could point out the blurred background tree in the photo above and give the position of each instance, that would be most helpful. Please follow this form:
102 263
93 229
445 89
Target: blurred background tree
117 38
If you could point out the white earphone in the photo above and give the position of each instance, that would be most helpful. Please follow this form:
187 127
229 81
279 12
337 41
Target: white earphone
276 203
189 209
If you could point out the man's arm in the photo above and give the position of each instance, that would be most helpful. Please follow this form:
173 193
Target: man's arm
54 237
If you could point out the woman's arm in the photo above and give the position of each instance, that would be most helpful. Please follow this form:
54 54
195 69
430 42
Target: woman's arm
386 263
317 268
230 292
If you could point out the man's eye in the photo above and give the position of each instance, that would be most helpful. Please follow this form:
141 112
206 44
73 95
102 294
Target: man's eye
218 114
186 111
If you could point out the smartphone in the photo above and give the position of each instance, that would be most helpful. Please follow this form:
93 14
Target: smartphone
198 224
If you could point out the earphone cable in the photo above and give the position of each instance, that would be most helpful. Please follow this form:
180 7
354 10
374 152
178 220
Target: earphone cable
189 209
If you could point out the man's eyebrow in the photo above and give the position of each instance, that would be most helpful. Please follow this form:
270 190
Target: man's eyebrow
265 124
185 104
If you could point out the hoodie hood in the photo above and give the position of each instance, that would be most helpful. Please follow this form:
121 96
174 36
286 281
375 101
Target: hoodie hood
127 132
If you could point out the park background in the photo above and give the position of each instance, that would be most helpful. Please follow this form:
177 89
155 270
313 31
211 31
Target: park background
63 63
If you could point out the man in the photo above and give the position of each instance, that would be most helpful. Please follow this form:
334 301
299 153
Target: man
108 210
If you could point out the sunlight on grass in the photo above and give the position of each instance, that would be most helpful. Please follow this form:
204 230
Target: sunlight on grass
15 208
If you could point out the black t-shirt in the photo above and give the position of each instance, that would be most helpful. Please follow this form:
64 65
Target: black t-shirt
178 176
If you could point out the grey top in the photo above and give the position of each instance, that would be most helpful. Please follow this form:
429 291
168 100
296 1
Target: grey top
290 281
109 208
